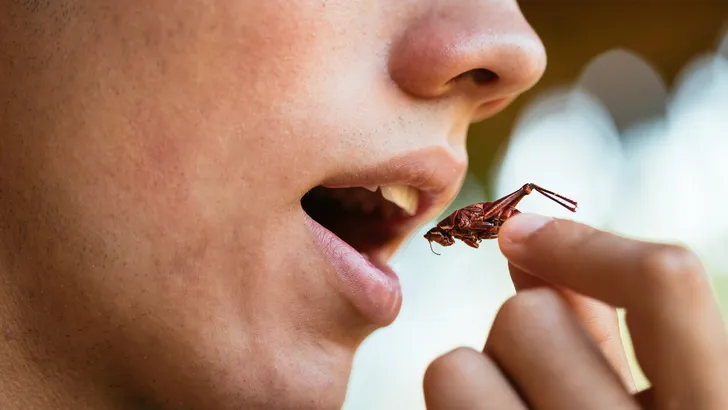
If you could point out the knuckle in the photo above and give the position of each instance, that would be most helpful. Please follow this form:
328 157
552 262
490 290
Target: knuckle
674 268
443 367
532 309
460 354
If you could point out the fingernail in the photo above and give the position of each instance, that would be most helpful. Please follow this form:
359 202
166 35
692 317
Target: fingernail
521 226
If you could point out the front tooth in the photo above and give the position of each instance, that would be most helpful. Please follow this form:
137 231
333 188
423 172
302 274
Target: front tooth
372 188
404 196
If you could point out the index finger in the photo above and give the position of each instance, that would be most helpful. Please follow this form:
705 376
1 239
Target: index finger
676 326
620 271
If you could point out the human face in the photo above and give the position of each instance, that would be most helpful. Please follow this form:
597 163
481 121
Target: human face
156 154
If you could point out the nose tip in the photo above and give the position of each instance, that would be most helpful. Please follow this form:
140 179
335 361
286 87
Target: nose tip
483 50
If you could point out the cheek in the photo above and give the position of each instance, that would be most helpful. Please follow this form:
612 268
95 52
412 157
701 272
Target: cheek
173 117
173 121
168 123
205 104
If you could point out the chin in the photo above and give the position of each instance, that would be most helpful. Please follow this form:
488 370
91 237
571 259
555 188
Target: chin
304 378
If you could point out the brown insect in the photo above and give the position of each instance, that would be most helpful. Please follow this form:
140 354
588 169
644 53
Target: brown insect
473 223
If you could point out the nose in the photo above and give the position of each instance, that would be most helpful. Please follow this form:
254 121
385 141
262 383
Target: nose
483 50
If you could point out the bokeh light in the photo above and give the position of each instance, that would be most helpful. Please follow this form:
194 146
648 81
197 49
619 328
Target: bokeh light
642 160
723 46
565 142
628 86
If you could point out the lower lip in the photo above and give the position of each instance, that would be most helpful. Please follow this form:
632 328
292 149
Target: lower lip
374 291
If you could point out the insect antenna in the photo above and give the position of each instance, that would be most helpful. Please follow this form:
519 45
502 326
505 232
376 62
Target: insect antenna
433 251
567 203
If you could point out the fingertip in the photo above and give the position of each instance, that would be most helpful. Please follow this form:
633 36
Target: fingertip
450 375
517 229
467 379
447 366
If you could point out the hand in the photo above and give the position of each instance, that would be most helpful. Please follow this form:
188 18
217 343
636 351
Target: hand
552 349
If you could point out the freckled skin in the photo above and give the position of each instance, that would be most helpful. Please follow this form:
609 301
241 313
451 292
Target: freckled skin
153 252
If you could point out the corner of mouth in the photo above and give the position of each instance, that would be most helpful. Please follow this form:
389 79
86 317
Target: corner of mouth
362 215
366 220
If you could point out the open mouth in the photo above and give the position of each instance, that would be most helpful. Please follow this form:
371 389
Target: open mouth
357 228
369 219
359 218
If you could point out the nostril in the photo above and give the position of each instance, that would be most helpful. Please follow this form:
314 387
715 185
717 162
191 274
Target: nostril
483 76
480 76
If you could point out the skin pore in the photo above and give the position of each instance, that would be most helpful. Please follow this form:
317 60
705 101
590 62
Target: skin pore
155 254
153 155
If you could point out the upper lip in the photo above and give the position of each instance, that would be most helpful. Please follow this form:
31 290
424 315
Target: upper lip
436 172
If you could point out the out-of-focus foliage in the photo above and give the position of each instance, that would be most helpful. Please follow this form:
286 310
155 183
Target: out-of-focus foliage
642 161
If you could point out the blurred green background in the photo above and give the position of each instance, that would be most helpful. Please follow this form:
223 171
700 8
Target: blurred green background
630 119
667 34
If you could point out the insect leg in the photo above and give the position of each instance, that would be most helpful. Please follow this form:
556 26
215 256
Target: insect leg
483 225
507 213
508 201
485 229
567 203
472 242
490 235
